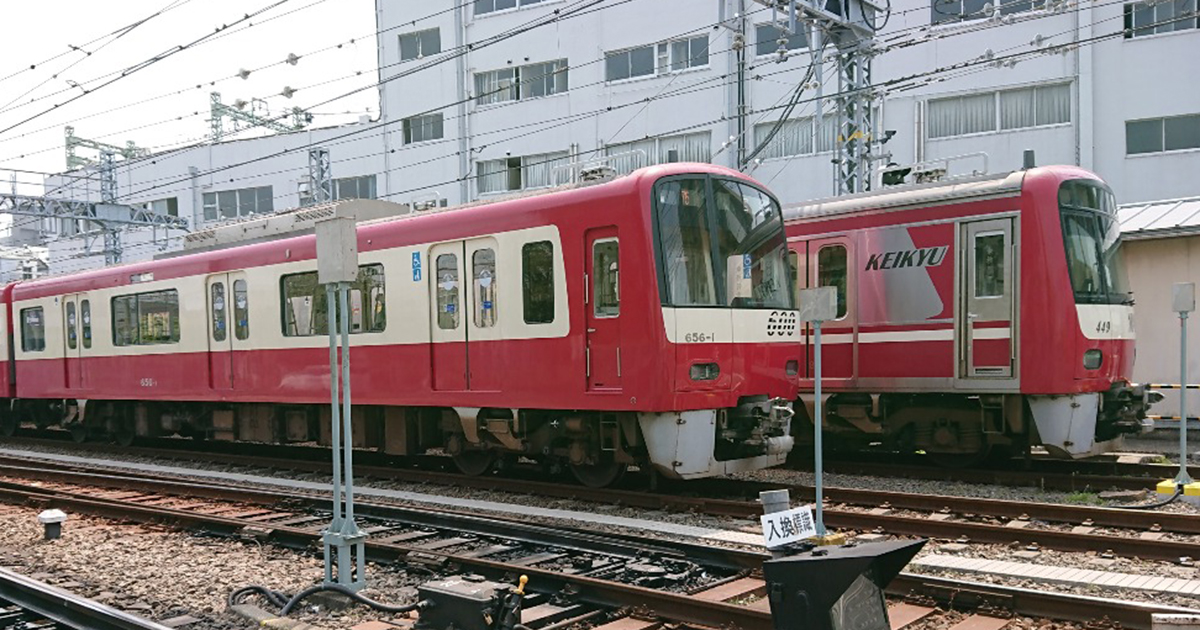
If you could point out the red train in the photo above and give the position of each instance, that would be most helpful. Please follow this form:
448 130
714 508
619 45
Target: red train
974 313
646 320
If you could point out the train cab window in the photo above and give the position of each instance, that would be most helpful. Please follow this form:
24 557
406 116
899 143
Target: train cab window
1092 240
241 310
33 330
685 237
606 286
537 282
72 327
483 263
832 272
219 317
447 291
989 265
304 306
146 318
85 315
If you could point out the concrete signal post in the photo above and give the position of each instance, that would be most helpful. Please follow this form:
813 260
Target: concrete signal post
337 268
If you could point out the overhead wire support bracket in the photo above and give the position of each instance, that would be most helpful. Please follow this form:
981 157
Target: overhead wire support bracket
74 142
256 117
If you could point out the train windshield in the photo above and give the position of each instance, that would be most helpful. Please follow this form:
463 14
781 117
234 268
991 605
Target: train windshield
1092 238
722 244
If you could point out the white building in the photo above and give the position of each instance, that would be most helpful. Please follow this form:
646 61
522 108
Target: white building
487 97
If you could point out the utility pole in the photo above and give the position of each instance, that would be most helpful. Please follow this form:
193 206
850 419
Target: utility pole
258 116
320 180
849 25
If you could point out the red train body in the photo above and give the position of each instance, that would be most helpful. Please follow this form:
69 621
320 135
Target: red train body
974 313
569 326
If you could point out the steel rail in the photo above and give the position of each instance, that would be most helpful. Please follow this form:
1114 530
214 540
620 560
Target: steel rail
65 608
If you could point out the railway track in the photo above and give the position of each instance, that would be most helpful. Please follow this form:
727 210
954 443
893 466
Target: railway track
1132 533
27 604
602 573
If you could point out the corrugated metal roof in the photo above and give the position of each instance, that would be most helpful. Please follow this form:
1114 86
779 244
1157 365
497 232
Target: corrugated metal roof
1160 219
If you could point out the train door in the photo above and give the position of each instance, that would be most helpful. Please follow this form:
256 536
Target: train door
448 333
986 347
602 298
77 330
830 265
485 357
228 327
798 262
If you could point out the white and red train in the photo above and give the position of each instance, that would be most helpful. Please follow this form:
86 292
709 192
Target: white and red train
646 320
973 313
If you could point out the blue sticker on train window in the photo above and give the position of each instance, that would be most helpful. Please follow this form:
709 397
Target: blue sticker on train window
450 308
416 266
746 264
487 304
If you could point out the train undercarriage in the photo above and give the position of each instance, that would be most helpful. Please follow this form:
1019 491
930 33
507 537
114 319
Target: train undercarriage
597 447
963 429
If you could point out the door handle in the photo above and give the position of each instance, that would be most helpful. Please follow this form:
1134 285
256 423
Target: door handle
972 315
591 330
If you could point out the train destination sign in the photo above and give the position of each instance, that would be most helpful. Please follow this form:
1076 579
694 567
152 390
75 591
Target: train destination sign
788 526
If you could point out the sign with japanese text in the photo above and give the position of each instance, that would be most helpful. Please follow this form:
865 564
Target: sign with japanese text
788 526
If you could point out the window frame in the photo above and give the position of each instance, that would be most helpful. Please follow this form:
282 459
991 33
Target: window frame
443 295
1163 137
217 197
517 6
420 41
997 97
662 58
527 283
843 305
595 281
435 122
26 345
220 325
241 332
479 305
758 42
360 283
72 325
1129 14
85 322
174 321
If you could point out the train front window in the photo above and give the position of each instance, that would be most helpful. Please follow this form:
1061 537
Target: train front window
727 249
1092 239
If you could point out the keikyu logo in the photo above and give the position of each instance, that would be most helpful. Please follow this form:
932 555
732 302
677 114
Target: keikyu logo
923 257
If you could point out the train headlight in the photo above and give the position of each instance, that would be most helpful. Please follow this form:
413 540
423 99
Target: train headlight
1093 359
705 371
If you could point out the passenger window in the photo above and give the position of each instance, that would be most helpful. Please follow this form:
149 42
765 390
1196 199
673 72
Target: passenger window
989 265
146 318
832 272
483 262
606 287
305 310
218 311
33 330
85 313
537 282
72 331
241 310
447 291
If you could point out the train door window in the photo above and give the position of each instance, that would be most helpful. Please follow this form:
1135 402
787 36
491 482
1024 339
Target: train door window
72 326
483 263
219 318
447 291
33 330
989 264
241 310
85 316
606 286
537 282
833 272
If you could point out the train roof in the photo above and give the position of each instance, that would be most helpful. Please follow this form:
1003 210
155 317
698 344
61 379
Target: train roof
958 189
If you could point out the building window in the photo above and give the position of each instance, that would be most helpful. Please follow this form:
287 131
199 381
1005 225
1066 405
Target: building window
1162 16
528 81
537 282
483 7
33 330
163 207
1006 110
420 44
767 38
304 307
671 56
228 204
794 137
519 173
146 318
423 128
1155 135
627 157
362 187
483 262
949 11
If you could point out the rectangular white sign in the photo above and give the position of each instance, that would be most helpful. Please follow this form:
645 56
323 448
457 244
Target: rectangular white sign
788 526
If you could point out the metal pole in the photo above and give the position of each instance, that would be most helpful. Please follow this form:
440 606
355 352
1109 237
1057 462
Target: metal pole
818 462
348 526
1183 478
334 433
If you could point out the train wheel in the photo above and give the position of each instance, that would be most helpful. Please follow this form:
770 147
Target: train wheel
8 424
598 475
960 460
474 463
79 432
124 434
